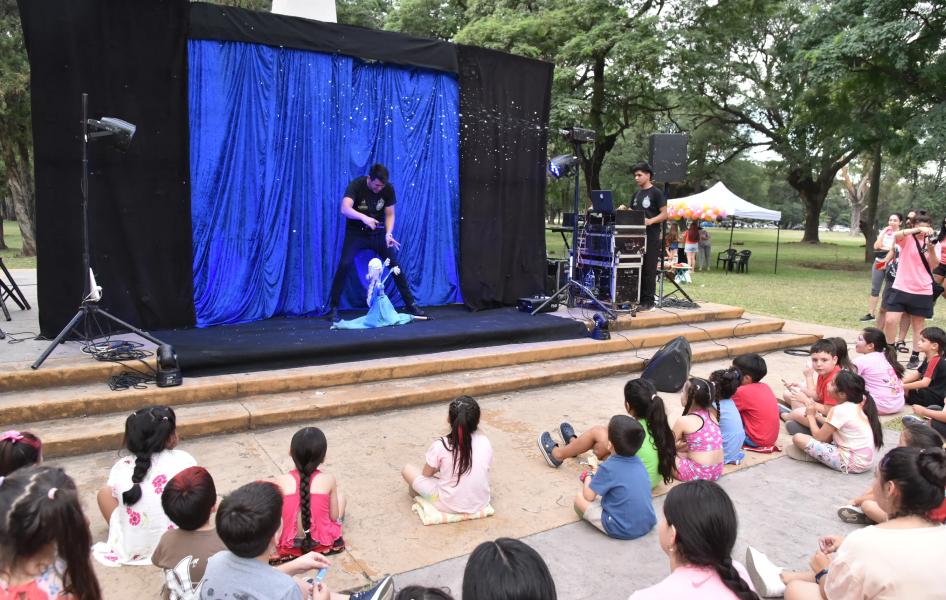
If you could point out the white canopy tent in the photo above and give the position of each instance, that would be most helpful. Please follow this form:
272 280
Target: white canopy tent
720 197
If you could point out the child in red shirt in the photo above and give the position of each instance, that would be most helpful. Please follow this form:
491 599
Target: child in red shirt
755 401
824 363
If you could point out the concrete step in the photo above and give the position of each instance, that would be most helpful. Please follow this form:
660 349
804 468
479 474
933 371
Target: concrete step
80 435
84 399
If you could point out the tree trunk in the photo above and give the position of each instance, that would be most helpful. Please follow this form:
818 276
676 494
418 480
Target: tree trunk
812 217
856 212
869 223
20 181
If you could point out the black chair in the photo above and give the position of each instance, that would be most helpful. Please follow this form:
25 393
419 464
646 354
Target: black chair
741 261
10 290
726 257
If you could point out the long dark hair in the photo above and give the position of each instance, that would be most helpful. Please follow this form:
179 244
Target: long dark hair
147 432
464 418
840 348
19 449
705 522
702 393
726 382
307 450
878 340
942 232
855 390
507 569
920 475
39 506
641 399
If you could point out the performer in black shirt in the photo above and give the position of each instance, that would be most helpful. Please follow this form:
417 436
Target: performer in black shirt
367 201
650 200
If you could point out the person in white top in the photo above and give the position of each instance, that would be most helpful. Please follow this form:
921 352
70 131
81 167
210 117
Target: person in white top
131 499
894 560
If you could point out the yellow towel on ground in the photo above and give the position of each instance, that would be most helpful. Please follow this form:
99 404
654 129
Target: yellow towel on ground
429 515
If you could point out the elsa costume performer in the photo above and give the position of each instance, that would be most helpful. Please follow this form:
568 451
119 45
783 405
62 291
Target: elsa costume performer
381 313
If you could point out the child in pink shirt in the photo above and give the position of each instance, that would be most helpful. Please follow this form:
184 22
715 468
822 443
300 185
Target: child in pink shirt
455 476
881 371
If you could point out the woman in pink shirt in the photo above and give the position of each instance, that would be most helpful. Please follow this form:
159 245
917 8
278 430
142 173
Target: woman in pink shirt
698 532
881 371
455 475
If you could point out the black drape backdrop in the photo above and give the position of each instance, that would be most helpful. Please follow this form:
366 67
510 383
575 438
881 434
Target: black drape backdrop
504 103
131 57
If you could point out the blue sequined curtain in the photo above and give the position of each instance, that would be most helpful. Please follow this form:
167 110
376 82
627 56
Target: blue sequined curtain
276 135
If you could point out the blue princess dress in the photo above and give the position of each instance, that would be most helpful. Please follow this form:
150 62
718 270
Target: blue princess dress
381 313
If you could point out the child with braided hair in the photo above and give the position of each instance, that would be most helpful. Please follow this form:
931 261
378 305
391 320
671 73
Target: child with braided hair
313 508
130 501
455 475
45 538
697 433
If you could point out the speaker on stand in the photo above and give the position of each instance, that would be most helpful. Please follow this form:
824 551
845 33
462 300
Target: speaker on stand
668 159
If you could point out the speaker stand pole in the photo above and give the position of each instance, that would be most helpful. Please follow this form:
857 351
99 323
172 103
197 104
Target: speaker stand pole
662 274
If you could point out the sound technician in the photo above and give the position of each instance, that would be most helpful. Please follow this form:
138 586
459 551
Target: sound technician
650 200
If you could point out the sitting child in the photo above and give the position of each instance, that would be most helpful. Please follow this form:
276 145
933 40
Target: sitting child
616 497
455 476
730 423
927 386
698 438
188 500
131 499
312 508
45 537
824 363
18 450
658 451
935 414
756 402
840 350
507 569
247 522
864 510
881 371
847 439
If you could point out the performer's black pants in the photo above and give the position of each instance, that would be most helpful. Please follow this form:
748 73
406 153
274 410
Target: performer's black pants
649 272
355 242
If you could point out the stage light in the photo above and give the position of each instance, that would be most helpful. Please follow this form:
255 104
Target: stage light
602 328
563 165
169 371
122 131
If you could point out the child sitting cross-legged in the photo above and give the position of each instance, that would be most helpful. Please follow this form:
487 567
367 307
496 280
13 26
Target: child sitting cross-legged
247 522
189 500
824 364
927 386
730 423
616 497
698 437
756 402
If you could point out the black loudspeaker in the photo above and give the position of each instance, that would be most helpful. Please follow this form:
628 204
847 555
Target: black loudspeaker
169 372
669 369
668 157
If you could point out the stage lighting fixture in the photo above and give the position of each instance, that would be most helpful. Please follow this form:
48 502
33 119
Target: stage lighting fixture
169 372
602 328
122 131
563 165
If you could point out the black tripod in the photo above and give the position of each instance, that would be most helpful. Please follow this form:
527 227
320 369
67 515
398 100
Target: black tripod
573 287
90 295
661 272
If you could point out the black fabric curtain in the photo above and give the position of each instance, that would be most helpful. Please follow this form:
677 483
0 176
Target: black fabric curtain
504 106
130 57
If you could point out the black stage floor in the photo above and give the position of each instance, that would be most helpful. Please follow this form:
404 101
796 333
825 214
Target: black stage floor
284 341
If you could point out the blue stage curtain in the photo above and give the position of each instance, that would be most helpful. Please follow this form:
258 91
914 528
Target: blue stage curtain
276 135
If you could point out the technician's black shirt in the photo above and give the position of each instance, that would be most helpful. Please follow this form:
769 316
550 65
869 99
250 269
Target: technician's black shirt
650 201
369 203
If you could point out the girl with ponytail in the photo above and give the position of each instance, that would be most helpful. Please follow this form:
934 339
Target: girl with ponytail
130 501
44 538
455 475
899 558
658 452
882 373
698 436
312 507
698 532
846 440
727 381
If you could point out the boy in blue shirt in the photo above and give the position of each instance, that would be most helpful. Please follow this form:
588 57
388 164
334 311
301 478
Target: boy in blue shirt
616 498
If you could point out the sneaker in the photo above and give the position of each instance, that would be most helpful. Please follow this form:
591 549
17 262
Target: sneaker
567 431
646 308
914 361
783 410
332 315
797 453
545 446
913 420
382 591
853 515
416 311
868 317
765 575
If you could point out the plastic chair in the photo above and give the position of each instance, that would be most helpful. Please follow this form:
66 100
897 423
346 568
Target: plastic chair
741 261
726 257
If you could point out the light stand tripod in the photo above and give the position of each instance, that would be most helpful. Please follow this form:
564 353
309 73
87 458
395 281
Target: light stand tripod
661 272
573 287
91 294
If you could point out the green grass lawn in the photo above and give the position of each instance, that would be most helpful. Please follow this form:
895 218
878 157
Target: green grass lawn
824 283
11 256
